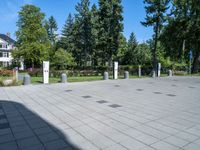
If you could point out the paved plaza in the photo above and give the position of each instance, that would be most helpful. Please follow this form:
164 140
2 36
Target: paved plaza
135 114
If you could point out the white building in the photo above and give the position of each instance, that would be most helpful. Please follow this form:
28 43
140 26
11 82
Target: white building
6 46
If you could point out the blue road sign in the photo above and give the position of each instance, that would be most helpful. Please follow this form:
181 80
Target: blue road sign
191 55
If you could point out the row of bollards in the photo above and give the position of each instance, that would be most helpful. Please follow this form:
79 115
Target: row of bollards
106 75
26 79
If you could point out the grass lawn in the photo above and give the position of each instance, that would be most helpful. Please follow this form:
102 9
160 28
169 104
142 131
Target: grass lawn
5 78
36 80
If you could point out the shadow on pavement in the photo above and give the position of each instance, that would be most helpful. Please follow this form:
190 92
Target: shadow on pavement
22 129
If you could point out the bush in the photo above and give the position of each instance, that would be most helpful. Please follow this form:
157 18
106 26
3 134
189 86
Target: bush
6 73
13 82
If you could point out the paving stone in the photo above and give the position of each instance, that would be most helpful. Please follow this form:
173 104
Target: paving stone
56 144
115 105
157 92
171 95
49 137
164 146
176 141
132 144
28 142
21 135
116 147
102 102
191 146
8 146
87 96
4 125
5 131
147 139
6 138
43 130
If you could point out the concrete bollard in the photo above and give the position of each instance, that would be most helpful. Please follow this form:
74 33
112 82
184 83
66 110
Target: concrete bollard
16 74
27 79
20 77
105 76
153 74
170 73
139 71
63 78
126 75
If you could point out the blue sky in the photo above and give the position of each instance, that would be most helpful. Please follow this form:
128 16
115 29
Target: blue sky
133 13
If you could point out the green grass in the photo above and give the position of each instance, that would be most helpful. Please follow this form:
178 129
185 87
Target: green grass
5 78
37 80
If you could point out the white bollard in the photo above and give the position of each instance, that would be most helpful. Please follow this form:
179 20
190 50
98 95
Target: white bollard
139 71
115 71
170 73
159 69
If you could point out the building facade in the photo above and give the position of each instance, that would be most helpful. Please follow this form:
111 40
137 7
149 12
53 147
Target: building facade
6 46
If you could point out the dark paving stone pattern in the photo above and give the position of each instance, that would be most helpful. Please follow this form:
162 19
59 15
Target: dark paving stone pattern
157 92
87 96
171 95
68 90
102 102
140 89
115 105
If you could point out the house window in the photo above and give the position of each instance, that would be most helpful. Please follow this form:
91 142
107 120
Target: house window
1 54
3 45
5 64
5 54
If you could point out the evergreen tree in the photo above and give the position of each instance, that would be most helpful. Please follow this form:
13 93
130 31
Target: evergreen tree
116 27
96 52
67 40
110 19
83 32
51 30
155 17
130 56
31 36
123 46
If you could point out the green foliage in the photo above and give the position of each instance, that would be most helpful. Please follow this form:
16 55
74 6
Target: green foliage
181 34
63 59
155 10
67 39
32 40
96 52
83 32
110 21
122 49
51 27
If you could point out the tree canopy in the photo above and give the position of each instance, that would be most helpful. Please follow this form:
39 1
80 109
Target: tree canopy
32 40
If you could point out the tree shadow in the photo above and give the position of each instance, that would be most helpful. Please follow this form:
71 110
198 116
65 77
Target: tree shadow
22 129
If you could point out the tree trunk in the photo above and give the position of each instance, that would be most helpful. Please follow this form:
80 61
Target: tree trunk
155 49
33 65
181 55
196 62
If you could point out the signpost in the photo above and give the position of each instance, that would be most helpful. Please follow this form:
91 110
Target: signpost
191 57
159 69
115 71
45 72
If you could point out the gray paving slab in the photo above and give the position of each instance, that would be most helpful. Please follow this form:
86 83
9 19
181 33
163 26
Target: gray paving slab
154 114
